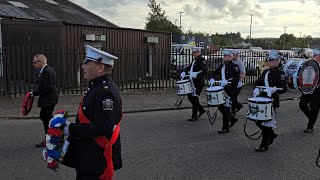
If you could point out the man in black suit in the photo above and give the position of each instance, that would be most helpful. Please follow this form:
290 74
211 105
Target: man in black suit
47 91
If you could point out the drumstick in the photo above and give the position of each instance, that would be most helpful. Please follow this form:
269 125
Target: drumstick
263 87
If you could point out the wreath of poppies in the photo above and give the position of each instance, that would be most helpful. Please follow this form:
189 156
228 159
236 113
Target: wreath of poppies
56 146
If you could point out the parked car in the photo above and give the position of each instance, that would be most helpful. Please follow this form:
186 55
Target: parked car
181 57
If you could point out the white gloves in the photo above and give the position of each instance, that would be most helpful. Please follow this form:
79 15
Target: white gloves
31 92
240 84
224 83
271 90
194 74
256 92
183 74
211 81
66 128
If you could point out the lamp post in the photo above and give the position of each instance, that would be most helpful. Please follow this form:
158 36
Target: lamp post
284 37
250 27
180 12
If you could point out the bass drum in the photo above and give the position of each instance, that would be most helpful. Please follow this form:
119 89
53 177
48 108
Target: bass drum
307 79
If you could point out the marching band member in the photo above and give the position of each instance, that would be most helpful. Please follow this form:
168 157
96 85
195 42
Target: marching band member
310 103
272 77
236 106
95 148
197 70
227 72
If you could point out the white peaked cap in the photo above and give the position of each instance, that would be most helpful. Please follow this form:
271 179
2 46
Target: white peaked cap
94 54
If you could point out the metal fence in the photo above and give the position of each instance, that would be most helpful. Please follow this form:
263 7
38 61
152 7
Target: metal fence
136 70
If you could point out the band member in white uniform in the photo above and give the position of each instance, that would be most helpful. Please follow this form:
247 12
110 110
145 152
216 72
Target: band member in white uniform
310 103
228 72
236 106
197 70
272 77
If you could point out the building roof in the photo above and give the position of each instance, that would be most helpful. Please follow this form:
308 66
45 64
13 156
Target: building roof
51 10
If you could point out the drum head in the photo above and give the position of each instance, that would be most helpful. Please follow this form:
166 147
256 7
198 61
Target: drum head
214 88
308 77
260 99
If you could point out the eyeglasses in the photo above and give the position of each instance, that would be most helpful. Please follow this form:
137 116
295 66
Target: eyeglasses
226 55
34 62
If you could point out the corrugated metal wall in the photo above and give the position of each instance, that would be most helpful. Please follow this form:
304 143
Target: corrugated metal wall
63 44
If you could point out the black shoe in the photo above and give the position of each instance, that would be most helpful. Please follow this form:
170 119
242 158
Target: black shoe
233 120
308 130
261 149
223 131
201 113
41 144
192 119
239 107
272 138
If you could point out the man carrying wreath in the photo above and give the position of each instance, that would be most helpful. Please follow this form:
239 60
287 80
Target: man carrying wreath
95 148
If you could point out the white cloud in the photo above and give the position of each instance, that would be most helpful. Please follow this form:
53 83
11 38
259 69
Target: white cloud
218 16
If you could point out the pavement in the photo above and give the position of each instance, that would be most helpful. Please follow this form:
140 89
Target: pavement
10 108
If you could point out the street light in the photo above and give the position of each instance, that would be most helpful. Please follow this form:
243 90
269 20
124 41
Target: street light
250 28
180 12
284 37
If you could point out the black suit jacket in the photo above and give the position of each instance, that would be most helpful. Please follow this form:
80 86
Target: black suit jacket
47 90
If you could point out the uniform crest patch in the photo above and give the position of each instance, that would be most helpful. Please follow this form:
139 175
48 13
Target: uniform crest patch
282 77
107 104
236 69
204 62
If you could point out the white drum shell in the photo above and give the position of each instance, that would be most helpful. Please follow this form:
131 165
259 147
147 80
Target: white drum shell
260 109
184 87
215 95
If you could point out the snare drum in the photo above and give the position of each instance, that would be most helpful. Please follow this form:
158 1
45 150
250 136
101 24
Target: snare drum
260 109
215 95
184 87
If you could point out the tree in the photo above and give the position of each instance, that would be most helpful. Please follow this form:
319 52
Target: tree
157 21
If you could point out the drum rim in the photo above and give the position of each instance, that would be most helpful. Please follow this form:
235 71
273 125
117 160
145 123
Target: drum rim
261 102
216 90
182 81
259 119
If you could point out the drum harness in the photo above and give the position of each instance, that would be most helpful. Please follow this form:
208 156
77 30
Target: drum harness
179 101
212 118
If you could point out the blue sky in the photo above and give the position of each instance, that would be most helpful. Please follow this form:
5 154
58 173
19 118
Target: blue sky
269 17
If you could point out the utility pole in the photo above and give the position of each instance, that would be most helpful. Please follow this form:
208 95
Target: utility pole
284 37
250 27
180 12
175 21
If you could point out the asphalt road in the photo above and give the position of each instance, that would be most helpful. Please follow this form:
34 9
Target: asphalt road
164 145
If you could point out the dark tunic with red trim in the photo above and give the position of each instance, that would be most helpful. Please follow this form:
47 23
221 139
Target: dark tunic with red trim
103 107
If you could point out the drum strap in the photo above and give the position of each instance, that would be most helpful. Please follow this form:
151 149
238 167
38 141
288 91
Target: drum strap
251 136
212 118
266 83
191 80
223 72
179 101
